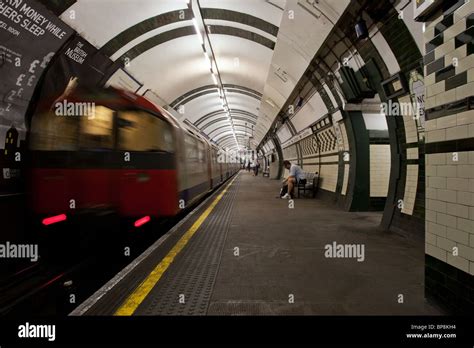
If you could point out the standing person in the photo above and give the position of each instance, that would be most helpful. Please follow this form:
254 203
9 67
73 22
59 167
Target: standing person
257 167
295 175
248 166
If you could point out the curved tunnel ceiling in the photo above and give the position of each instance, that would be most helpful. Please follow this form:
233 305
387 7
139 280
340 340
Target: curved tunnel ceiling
157 42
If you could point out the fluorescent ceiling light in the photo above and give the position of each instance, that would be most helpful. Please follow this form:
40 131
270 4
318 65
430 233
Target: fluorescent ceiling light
198 31
270 102
208 61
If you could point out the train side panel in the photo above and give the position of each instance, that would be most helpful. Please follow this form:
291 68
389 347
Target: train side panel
197 171
216 170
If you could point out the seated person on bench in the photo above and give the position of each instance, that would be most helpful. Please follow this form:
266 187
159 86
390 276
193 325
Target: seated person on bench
296 174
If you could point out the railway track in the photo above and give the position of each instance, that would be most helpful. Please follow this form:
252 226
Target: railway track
55 286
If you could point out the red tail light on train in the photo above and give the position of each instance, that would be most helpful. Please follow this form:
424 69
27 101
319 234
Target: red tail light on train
142 221
54 219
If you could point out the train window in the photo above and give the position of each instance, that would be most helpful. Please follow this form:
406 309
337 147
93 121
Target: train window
214 155
141 131
96 130
191 148
201 152
50 132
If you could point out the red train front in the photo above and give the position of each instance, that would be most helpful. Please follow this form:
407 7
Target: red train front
108 151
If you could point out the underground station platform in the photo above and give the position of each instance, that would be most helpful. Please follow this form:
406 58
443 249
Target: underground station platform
245 251
144 147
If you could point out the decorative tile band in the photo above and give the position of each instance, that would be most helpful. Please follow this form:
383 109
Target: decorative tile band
450 108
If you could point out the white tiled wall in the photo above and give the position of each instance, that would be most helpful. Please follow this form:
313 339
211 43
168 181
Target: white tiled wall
379 170
412 153
411 185
435 91
411 131
450 176
452 127
346 180
328 172
450 208
329 177
329 145
290 153
342 126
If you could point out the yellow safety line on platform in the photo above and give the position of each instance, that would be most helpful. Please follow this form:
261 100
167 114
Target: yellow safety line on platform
141 292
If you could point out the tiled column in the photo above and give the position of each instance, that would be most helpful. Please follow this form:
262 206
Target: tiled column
449 79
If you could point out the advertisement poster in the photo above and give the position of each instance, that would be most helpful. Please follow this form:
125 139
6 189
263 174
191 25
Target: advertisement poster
30 35
78 64
417 95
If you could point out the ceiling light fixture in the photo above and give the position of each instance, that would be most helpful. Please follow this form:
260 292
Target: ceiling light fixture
208 61
198 31
271 103
211 60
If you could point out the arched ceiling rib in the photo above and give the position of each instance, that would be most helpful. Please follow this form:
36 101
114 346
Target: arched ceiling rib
164 19
189 30
223 135
213 114
237 118
195 93
208 106
147 25
218 130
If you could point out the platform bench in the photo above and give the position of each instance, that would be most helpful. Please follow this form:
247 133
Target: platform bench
309 183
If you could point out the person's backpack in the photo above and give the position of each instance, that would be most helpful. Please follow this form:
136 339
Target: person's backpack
284 190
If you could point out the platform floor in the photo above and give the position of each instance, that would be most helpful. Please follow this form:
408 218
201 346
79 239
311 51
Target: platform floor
254 255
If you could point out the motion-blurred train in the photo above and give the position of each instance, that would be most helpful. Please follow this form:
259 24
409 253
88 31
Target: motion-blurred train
115 151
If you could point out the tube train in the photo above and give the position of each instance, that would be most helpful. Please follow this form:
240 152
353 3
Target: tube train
115 151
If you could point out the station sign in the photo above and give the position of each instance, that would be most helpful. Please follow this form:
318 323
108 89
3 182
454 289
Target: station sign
123 80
